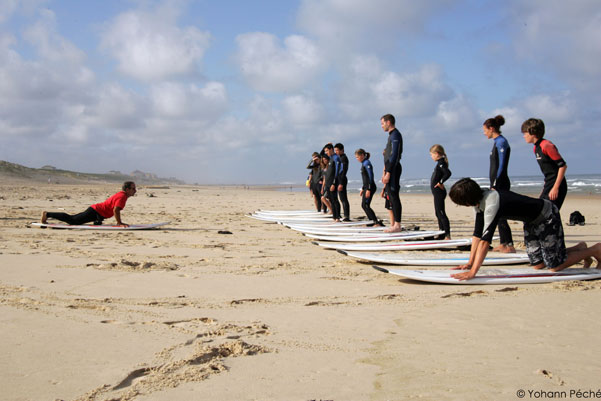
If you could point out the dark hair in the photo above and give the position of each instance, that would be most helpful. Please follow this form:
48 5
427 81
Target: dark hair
495 123
388 117
339 146
315 154
362 153
466 192
128 185
325 156
534 126
328 146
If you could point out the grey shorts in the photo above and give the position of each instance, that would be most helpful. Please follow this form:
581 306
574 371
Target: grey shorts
544 238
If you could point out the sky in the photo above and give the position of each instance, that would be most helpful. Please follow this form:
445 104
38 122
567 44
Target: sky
242 92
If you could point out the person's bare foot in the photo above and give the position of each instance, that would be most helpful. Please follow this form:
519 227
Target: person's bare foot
394 229
586 262
504 249
44 218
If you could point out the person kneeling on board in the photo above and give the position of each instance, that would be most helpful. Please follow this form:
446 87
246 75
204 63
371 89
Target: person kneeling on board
99 211
543 232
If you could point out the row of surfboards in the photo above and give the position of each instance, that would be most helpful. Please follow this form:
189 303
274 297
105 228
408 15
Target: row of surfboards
356 240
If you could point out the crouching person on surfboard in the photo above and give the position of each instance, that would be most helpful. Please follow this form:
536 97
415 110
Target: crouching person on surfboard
100 211
543 232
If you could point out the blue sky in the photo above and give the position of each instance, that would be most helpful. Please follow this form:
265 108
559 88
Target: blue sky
241 92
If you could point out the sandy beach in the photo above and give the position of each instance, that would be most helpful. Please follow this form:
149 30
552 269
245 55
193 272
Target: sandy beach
188 313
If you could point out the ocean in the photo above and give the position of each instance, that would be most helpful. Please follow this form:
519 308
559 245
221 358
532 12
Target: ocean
585 184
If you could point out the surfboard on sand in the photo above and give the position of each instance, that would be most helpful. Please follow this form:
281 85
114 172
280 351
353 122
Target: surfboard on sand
497 275
397 246
367 237
436 259
101 227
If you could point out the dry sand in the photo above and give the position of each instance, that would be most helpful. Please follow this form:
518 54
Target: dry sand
185 313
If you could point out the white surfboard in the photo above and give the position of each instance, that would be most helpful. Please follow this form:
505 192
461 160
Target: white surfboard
284 215
497 276
397 246
376 237
286 212
100 227
292 219
327 224
339 230
436 259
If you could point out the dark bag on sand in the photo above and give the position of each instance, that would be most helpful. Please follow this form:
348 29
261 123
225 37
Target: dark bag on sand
576 218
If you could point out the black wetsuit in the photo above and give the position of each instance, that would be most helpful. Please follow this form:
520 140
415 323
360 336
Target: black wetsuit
330 180
499 180
87 216
314 183
440 175
550 161
367 175
392 165
343 180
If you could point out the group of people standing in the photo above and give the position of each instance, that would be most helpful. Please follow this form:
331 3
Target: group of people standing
328 178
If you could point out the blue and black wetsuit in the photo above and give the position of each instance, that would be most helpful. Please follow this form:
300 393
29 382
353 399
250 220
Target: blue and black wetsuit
440 175
369 184
392 165
343 180
499 180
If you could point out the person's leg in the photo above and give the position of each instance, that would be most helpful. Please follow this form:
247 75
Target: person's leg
506 239
395 200
366 205
87 216
344 200
439 209
334 205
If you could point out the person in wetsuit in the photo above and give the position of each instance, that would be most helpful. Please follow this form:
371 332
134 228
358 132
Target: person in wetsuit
499 179
550 161
331 181
343 181
439 176
99 211
368 189
543 231
314 179
393 169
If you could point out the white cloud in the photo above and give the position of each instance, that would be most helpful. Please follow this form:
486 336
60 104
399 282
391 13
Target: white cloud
302 110
564 37
174 100
268 66
456 114
150 46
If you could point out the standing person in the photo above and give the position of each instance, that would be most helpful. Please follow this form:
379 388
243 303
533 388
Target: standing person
343 181
393 170
368 190
439 176
499 179
99 211
314 178
325 202
550 161
329 184
543 231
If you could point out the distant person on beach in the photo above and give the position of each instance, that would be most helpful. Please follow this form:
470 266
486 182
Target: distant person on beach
393 169
368 190
543 231
550 161
343 181
99 211
499 179
439 176
314 179
331 180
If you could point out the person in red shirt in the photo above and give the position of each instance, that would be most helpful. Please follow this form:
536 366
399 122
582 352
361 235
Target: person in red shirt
99 211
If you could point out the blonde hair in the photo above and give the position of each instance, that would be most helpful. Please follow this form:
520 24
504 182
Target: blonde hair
440 150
